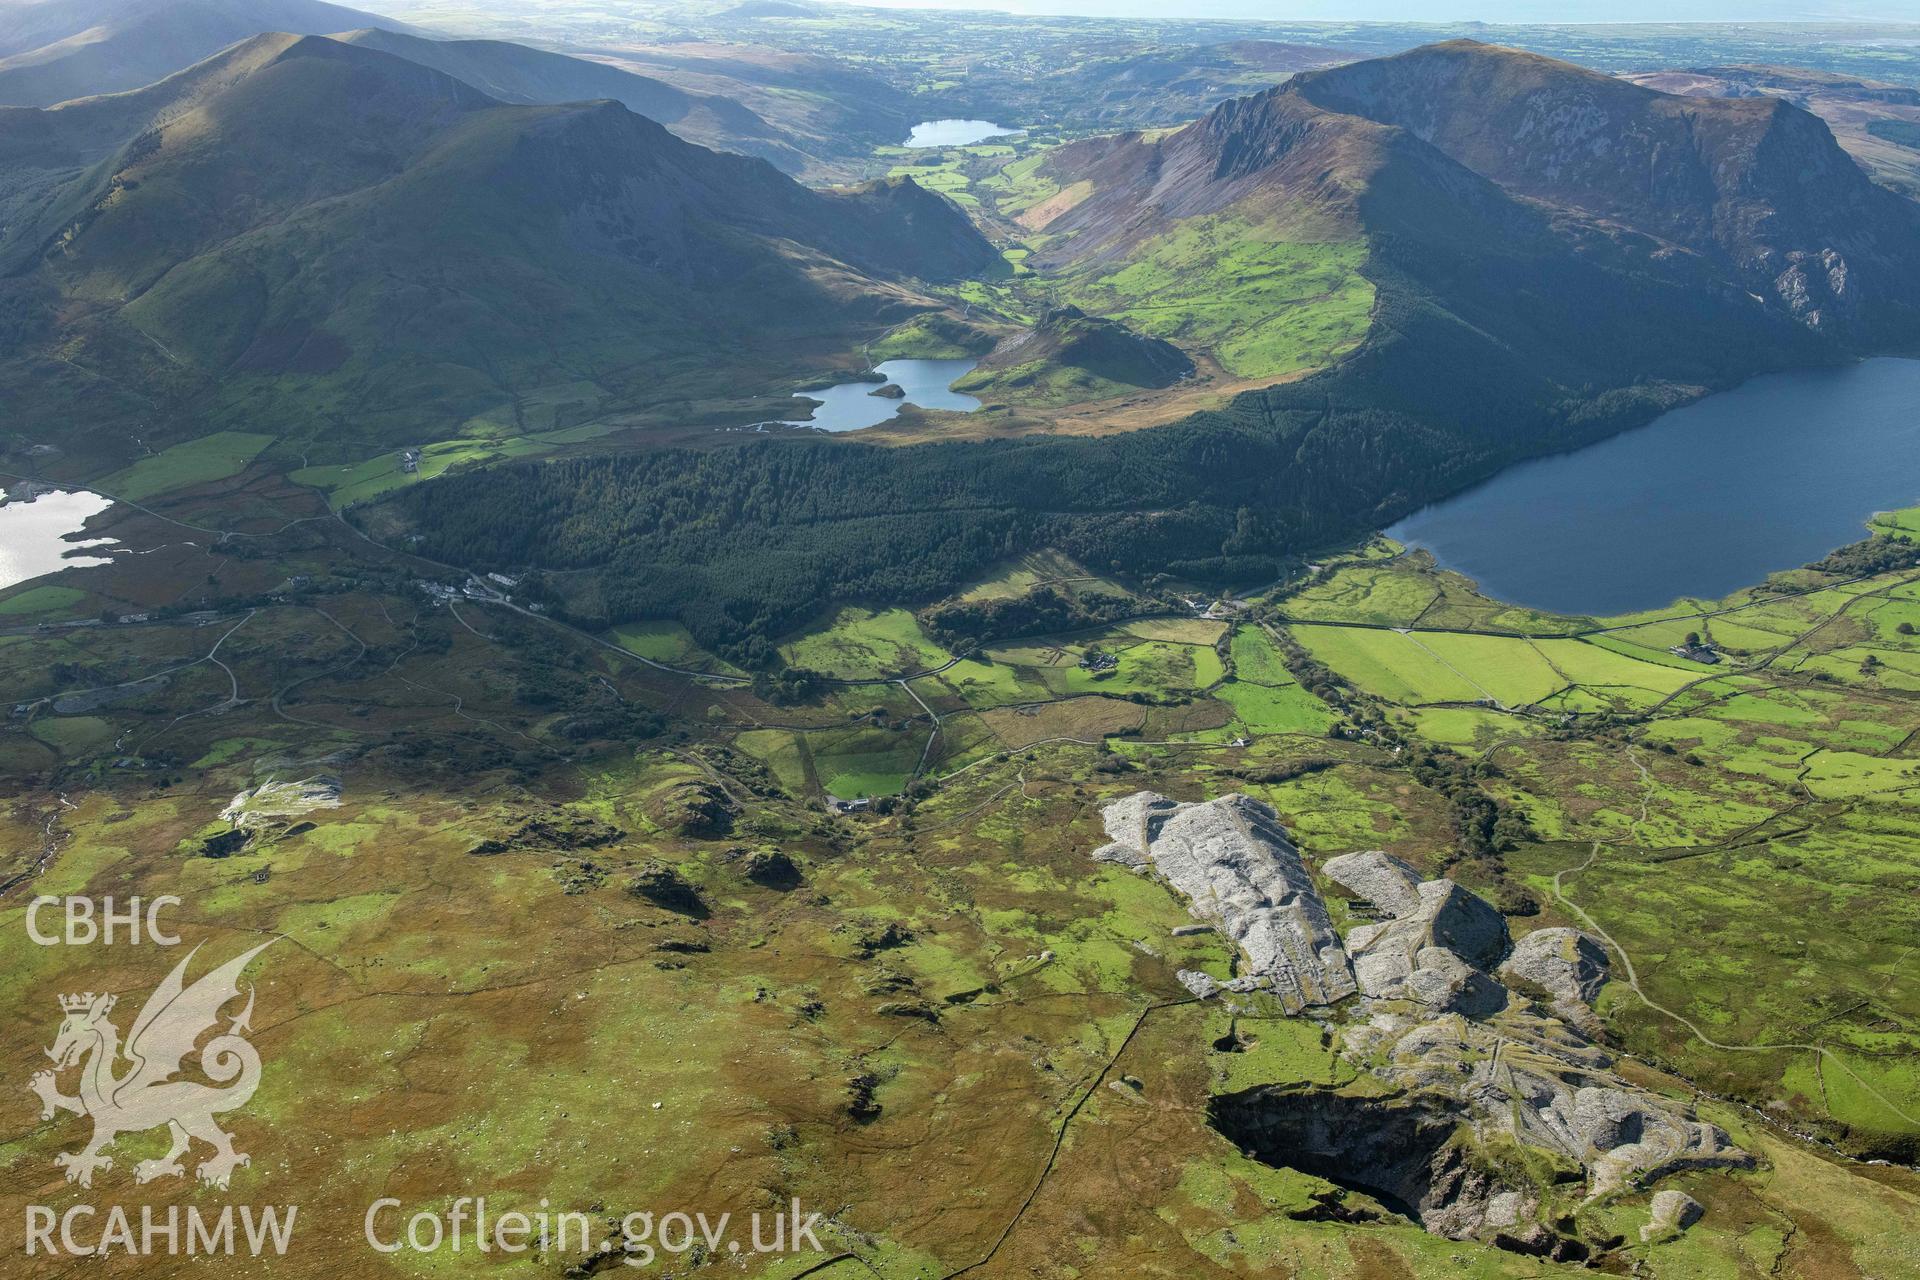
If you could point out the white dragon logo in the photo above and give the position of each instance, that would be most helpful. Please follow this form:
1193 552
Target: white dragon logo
146 1096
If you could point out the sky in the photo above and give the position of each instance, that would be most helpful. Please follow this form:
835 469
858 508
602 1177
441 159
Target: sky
1458 10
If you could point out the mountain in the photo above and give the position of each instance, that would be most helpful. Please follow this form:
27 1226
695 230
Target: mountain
360 249
55 50
1878 123
1755 186
1587 232
1404 322
516 73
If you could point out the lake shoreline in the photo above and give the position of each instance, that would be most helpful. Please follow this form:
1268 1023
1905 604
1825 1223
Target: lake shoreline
1683 506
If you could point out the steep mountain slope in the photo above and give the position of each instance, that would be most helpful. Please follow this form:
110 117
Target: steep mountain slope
1756 185
516 73
350 245
1591 232
56 50
1878 123
1408 326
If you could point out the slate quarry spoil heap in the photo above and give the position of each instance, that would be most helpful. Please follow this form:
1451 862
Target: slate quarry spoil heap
1477 1040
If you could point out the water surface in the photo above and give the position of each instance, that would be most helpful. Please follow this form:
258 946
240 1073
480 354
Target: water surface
852 405
1702 501
955 133
35 534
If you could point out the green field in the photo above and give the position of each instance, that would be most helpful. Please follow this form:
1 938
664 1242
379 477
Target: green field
358 482
1157 668
861 644
1264 709
212 457
1255 660
1264 306
856 762
43 599
1388 665
670 643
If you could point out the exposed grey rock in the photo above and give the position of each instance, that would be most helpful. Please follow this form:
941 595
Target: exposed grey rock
1509 1207
1672 1211
1464 923
1121 855
1382 879
1567 964
1235 866
1433 949
1201 984
1446 982
1436 1025
1539 1079
1132 822
1191 930
273 801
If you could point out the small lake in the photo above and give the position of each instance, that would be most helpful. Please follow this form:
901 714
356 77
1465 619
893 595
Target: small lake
956 133
1702 501
852 405
35 534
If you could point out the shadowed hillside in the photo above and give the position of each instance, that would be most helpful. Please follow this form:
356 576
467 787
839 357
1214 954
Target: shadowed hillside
63 49
354 245
516 73
1467 325
1756 186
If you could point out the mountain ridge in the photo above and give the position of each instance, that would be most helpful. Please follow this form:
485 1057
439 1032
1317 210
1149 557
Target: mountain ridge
424 252
1758 182
60 50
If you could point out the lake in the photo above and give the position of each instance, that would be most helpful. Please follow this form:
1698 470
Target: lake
34 535
956 133
852 405
1702 501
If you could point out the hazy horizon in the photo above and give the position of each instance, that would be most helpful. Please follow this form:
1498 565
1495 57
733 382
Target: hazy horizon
1491 12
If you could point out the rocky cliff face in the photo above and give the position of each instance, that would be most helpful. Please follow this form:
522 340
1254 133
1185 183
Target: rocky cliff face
1465 1059
1755 184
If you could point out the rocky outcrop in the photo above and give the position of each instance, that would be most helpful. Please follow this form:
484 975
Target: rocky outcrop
696 809
663 887
1383 883
1469 1060
272 802
1671 1212
1566 964
773 869
1232 862
1437 943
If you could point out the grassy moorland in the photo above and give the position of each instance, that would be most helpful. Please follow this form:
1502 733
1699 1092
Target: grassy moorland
1740 833
1263 307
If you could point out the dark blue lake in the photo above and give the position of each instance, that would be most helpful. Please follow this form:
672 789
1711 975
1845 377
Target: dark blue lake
1700 502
